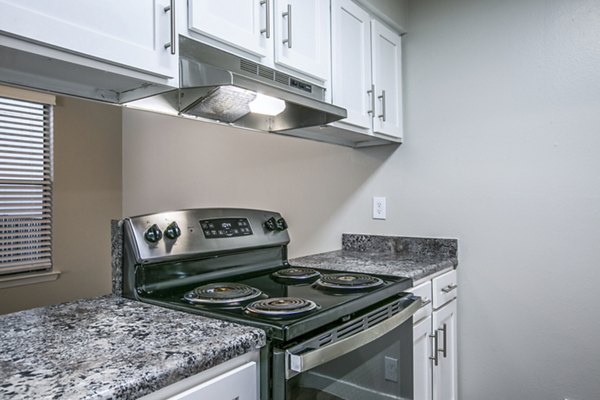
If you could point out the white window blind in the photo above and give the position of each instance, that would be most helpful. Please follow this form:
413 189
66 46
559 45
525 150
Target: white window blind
25 186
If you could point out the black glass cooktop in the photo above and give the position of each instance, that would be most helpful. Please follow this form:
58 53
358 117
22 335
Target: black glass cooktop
286 305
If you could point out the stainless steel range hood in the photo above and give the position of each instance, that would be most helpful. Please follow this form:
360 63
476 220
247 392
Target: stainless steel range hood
220 86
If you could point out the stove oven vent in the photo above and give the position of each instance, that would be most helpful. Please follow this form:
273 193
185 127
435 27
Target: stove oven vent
358 325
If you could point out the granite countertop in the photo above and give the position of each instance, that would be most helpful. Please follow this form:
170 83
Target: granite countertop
110 348
416 258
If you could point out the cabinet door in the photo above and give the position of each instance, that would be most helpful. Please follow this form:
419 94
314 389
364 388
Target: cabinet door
239 384
444 375
351 62
387 78
129 33
422 365
302 36
240 23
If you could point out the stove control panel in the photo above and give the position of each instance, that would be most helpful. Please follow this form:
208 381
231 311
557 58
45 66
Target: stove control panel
197 232
225 227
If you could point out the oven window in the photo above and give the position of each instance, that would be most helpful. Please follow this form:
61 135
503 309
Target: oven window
381 369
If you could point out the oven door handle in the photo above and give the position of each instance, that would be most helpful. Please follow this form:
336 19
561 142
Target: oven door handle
298 363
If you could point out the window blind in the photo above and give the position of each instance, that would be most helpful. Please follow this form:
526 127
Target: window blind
25 186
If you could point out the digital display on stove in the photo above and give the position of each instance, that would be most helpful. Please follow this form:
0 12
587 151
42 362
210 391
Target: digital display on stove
225 227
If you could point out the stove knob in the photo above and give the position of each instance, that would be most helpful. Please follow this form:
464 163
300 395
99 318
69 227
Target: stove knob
173 231
271 224
153 234
281 224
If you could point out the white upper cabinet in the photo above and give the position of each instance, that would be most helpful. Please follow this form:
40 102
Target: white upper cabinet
130 33
387 80
366 71
351 62
240 23
293 34
302 37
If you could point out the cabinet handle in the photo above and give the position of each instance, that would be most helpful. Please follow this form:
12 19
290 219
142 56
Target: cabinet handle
435 358
267 30
171 44
425 303
382 98
444 350
288 14
449 288
371 94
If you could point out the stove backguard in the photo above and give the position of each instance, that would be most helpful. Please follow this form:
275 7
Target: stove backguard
149 278
210 241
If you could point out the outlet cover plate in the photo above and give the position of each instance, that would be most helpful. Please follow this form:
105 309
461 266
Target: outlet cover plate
379 208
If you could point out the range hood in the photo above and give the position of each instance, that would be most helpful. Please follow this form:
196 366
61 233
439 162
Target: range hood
220 86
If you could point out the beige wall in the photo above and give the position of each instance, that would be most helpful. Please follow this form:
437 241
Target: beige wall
173 163
87 195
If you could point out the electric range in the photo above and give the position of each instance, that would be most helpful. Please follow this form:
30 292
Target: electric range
232 264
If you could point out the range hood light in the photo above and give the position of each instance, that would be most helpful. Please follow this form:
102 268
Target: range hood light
266 105
223 87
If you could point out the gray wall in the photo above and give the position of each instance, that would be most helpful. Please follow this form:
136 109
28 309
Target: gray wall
87 195
501 150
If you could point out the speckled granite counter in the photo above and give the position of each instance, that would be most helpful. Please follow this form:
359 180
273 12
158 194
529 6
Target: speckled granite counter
416 258
110 348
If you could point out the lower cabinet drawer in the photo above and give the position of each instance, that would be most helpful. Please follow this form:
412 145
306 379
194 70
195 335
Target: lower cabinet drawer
239 384
445 288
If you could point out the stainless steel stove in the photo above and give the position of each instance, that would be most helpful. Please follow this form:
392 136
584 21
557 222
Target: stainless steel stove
327 330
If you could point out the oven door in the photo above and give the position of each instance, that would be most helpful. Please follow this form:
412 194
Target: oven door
366 358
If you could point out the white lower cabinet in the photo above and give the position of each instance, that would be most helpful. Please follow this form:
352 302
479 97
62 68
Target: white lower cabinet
239 384
422 365
235 379
434 339
444 374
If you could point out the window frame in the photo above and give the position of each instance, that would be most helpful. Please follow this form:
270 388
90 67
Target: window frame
29 272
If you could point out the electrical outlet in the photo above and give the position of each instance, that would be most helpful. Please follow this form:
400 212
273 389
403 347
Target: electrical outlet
379 208
391 369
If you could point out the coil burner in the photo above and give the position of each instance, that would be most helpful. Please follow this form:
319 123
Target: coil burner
222 293
295 274
348 281
281 307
